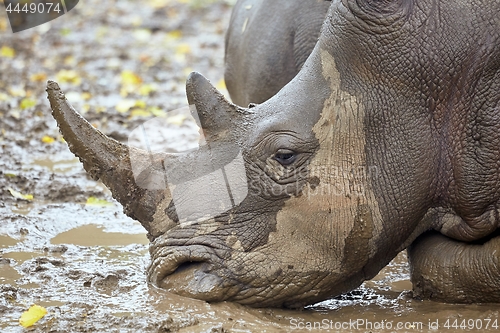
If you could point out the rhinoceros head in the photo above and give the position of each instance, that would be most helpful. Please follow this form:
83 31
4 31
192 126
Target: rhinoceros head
274 209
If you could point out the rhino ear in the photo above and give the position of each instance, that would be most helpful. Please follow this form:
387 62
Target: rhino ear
217 116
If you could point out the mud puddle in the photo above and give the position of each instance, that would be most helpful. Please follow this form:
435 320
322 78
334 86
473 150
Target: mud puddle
91 278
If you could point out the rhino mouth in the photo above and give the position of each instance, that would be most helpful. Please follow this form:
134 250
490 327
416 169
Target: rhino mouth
190 271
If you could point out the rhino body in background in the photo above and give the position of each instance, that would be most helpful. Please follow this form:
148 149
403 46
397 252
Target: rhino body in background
390 129
267 43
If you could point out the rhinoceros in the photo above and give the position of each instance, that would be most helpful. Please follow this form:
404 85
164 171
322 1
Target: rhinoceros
387 138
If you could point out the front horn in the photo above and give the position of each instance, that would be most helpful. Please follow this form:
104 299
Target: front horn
108 160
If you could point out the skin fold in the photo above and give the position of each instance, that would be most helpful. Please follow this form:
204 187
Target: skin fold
391 128
444 269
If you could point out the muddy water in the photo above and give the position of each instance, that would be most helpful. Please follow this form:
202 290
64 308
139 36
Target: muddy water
86 264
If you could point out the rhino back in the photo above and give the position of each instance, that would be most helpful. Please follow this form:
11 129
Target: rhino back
267 43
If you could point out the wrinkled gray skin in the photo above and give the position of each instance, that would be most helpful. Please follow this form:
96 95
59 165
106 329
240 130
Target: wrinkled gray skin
391 128
267 44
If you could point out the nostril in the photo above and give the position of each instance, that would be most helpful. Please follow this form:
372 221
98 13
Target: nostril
187 269
194 279
187 265
182 274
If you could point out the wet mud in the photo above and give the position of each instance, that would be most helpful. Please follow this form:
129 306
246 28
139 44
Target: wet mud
69 247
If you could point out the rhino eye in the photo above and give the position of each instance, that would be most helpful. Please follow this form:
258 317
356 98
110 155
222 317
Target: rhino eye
285 156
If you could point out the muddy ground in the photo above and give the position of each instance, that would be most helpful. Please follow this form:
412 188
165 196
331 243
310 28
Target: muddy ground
67 246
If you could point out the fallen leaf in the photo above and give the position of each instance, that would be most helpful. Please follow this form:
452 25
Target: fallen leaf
86 95
177 119
34 314
27 103
140 103
65 31
138 112
38 77
182 49
157 112
124 105
7 52
19 195
174 34
221 85
69 76
130 78
147 89
70 61
48 139
159 3
187 71
93 201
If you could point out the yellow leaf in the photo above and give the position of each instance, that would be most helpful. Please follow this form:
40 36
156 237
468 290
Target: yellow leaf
93 201
86 95
124 105
129 77
48 139
65 31
174 34
157 112
138 112
70 61
221 85
159 3
183 49
34 314
140 103
4 97
68 76
27 103
19 195
7 52
38 77
187 71
147 89
177 119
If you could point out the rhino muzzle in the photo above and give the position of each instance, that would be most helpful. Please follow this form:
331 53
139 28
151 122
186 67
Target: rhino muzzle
191 271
